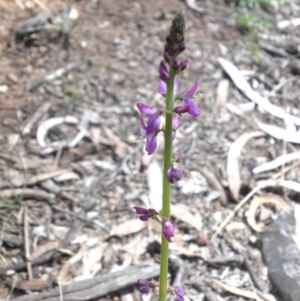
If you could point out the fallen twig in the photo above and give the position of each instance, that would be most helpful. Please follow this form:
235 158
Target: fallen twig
56 74
99 286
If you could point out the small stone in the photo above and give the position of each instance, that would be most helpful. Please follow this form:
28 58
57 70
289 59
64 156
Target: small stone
12 77
43 49
83 44
3 89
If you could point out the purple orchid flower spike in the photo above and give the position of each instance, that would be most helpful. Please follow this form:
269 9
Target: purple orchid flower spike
174 174
162 87
168 230
146 285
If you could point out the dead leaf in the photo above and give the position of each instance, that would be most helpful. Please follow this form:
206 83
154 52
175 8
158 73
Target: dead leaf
49 246
129 227
269 198
279 161
233 172
282 183
288 134
182 213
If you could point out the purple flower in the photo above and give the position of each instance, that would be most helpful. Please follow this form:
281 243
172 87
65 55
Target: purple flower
162 87
168 230
144 214
178 292
152 127
154 117
188 106
163 71
151 142
146 285
174 174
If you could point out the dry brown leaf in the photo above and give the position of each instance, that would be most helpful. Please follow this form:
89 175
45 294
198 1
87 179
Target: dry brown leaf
237 291
182 213
49 246
233 172
282 183
120 148
269 198
129 227
279 161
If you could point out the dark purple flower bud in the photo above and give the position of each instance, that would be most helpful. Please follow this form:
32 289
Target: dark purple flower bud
184 65
178 292
174 50
163 71
168 230
182 47
166 57
144 214
176 64
174 174
146 285
177 29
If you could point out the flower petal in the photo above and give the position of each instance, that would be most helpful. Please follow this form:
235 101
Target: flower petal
143 282
141 210
193 110
146 110
153 124
162 88
190 93
146 290
174 174
151 144
175 122
168 229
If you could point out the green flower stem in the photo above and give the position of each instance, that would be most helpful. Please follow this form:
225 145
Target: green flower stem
164 253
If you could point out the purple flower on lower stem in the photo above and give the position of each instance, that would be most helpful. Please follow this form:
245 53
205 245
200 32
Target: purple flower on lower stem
146 286
144 214
174 174
168 230
178 292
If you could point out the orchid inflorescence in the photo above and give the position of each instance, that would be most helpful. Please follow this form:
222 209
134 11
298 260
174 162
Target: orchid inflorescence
158 119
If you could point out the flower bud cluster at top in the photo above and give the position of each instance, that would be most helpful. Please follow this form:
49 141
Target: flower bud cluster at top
152 122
